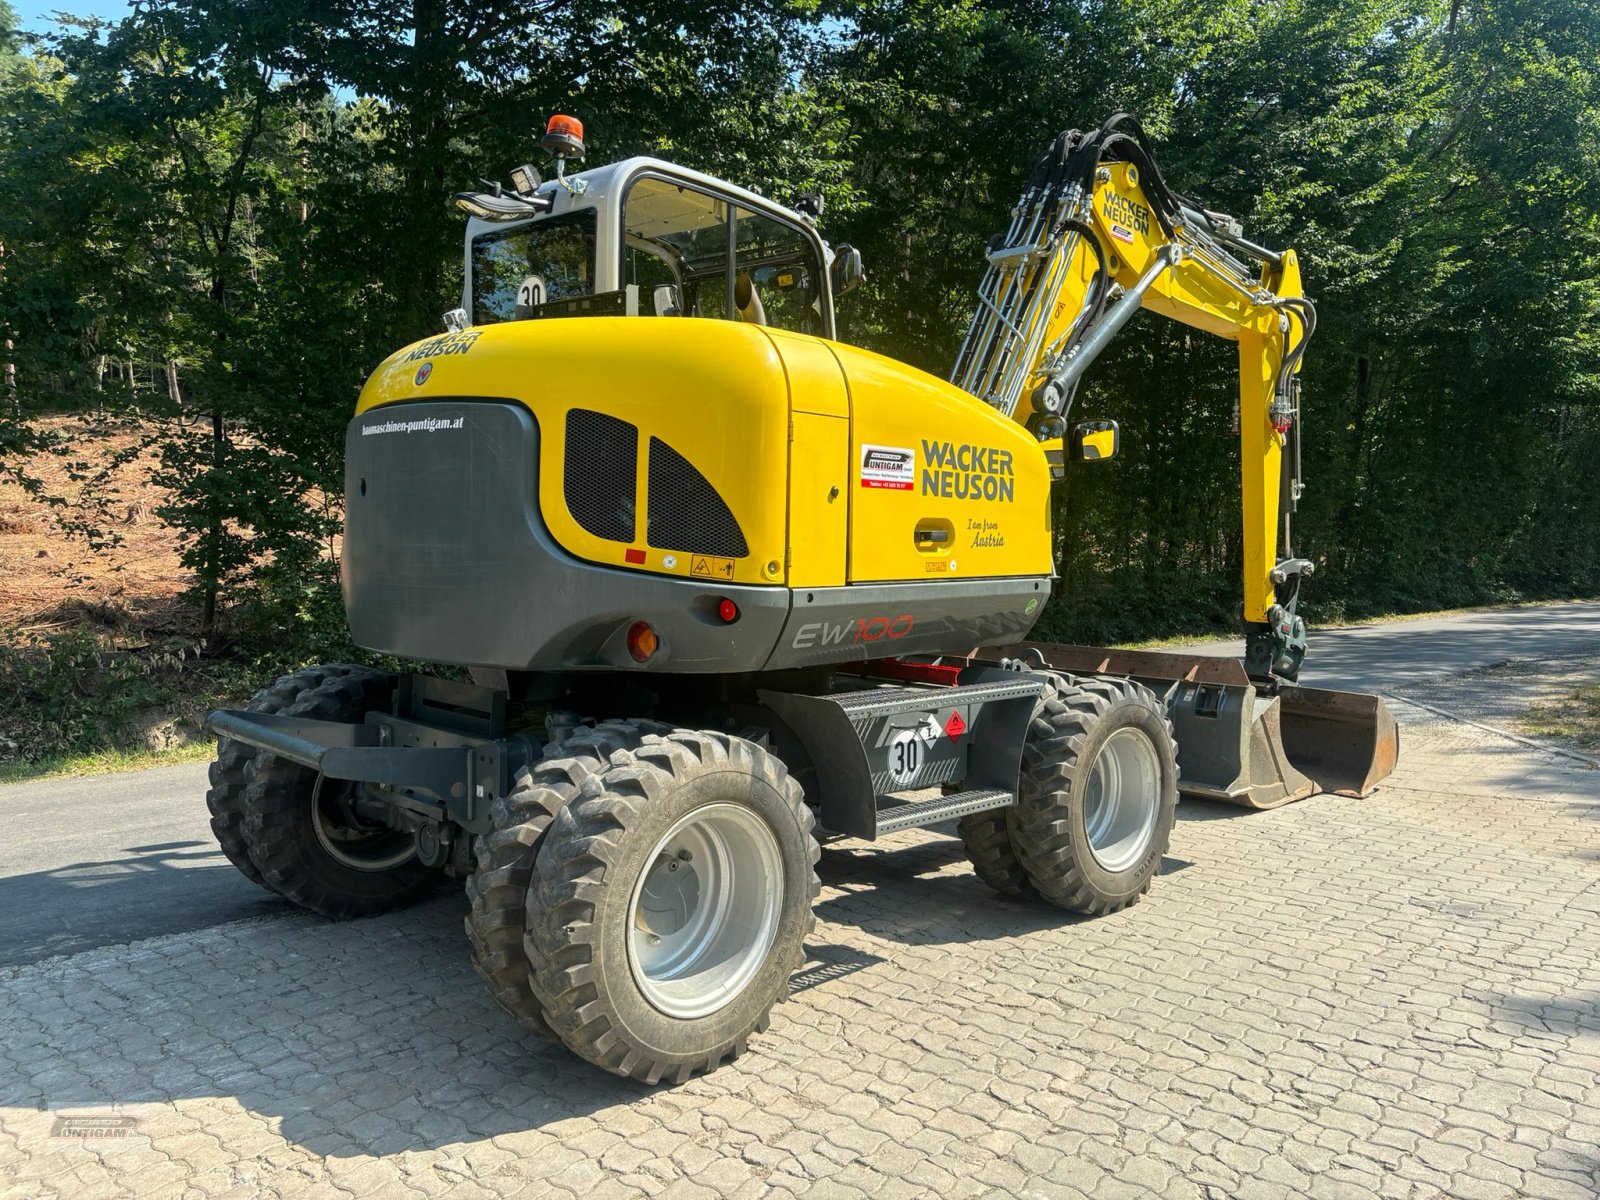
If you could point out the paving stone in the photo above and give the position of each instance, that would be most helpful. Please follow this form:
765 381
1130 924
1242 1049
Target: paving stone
1339 998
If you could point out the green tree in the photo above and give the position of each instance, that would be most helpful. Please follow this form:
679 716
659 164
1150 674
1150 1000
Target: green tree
258 198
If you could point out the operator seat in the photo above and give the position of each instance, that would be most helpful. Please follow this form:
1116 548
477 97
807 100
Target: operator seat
747 301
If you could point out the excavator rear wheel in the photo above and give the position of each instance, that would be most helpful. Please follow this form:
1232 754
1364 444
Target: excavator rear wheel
225 799
1098 796
303 837
672 904
505 856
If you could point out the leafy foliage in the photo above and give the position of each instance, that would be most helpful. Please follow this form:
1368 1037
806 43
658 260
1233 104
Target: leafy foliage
256 198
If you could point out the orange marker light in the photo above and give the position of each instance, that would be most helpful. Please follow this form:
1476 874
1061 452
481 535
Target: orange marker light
565 124
642 641
563 137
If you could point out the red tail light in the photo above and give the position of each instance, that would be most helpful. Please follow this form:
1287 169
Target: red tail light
642 641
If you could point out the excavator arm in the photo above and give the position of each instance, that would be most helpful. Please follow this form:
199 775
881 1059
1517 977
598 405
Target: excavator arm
1097 235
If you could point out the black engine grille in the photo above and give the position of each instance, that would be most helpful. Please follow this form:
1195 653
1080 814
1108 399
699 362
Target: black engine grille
685 512
601 480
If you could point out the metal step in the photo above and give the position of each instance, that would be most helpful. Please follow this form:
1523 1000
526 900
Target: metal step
941 808
886 701
878 744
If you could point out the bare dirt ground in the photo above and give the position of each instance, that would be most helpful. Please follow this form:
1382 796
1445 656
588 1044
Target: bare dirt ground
51 581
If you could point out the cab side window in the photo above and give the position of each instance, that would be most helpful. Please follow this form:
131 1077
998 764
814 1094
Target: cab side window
675 249
693 254
782 269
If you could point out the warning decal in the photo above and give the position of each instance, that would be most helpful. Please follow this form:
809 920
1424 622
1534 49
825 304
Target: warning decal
891 467
704 566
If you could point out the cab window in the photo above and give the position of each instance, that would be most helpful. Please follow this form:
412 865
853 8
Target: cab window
694 254
777 260
516 270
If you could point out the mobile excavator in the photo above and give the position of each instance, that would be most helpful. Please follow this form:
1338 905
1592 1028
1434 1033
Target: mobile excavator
714 587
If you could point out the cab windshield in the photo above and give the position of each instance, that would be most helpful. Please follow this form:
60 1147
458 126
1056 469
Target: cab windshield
514 271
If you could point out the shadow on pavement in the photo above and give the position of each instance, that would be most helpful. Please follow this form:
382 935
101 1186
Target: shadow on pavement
140 892
904 895
376 1036
1574 1013
364 1037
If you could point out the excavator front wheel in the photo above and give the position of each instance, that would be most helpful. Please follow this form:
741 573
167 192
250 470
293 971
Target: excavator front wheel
1099 793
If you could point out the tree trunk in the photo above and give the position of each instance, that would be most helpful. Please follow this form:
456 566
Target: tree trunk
9 369
212 565
425 165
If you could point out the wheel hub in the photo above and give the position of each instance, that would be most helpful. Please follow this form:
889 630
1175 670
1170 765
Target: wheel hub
352 842
1123 799
704 911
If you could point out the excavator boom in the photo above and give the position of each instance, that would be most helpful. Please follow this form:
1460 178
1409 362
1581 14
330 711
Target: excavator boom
1097 235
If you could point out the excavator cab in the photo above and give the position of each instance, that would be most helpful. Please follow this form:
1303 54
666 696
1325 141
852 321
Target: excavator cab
645 237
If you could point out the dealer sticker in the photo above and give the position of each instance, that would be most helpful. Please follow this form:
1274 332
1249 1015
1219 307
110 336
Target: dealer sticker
891 467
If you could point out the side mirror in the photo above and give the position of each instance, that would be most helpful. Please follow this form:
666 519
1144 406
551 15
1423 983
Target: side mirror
664 299
1092 441
847 269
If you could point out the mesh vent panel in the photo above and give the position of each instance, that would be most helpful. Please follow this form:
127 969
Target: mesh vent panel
602 473
685 511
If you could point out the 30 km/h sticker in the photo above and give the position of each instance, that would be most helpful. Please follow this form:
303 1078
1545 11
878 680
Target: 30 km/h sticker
908 749
704 566
905 755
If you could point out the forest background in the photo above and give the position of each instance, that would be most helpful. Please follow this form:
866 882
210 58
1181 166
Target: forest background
216 218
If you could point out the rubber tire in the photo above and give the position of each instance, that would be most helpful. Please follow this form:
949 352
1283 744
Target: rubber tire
225 798
505 856
987 838
578 920
1072 721
278 830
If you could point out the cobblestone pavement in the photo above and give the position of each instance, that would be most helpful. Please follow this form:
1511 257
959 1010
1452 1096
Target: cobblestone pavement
1397 997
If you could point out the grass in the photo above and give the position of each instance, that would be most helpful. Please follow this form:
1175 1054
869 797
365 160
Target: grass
1573 719
1177 641
104 761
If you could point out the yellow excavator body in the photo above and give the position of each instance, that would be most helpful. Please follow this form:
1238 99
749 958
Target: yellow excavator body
852 507
839 465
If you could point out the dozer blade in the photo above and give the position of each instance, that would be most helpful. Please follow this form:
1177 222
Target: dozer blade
1235 743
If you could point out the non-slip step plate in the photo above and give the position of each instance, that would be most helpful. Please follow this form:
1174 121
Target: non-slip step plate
942 808
877 702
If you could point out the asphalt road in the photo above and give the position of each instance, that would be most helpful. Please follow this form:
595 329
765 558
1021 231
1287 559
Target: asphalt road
114 858
1386 657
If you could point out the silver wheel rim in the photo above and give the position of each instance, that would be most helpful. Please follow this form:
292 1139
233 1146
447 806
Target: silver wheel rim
704 911
358 849
1123 799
